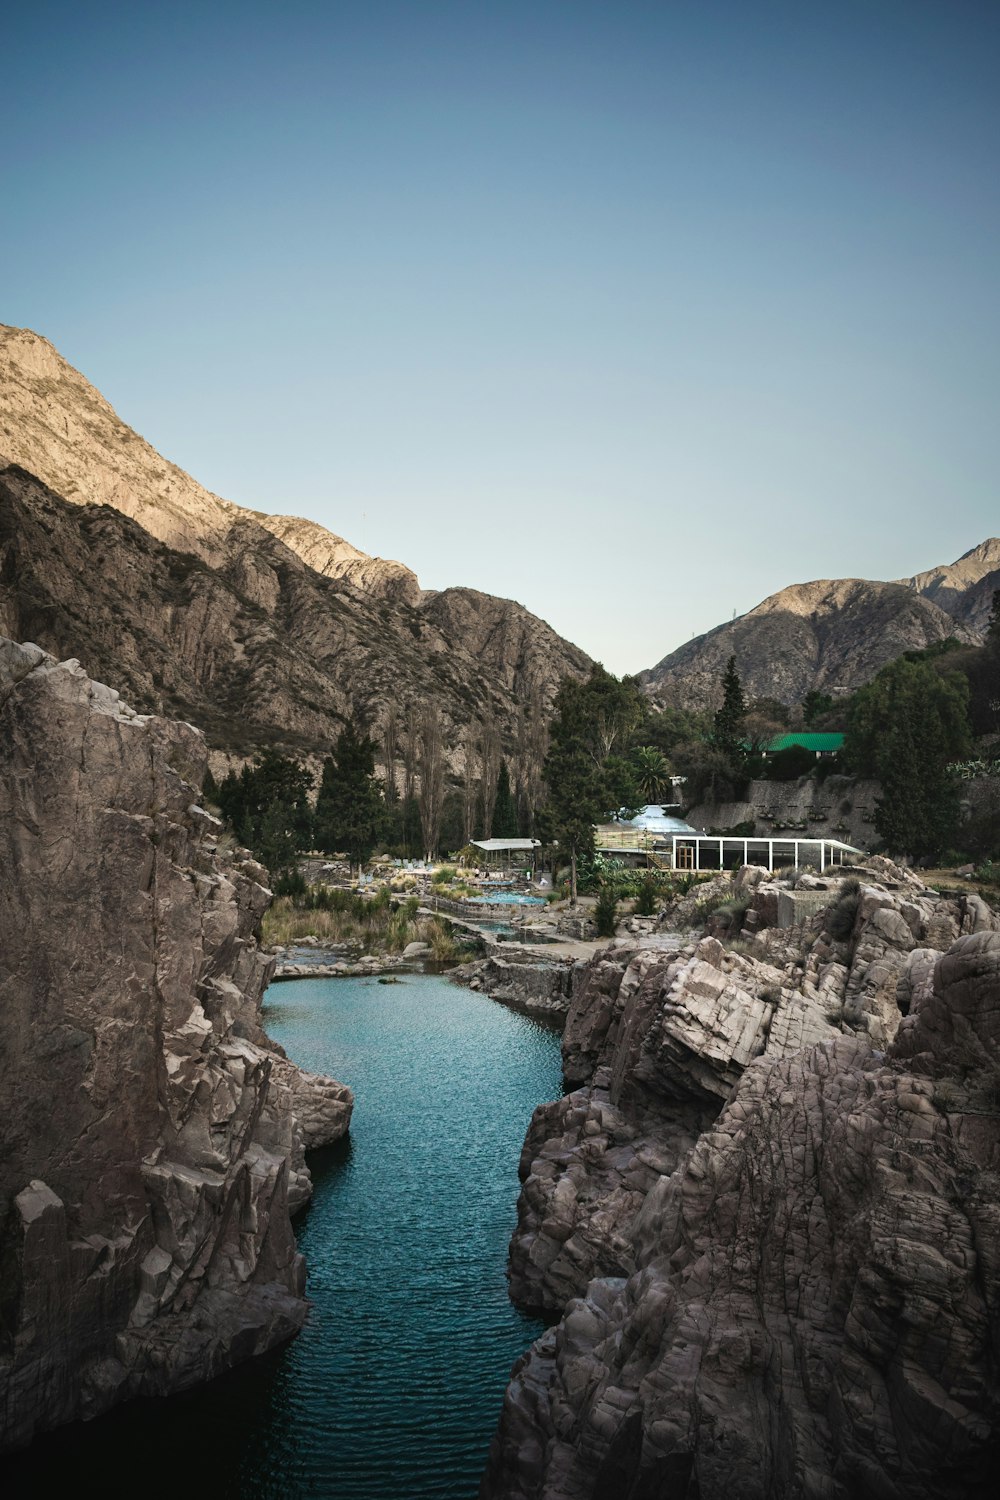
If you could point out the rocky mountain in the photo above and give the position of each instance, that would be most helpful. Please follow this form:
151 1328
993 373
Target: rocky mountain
260 628
832 634
151 1136
768 1211
963 589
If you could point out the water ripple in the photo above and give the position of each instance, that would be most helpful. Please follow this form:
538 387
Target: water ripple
394 1387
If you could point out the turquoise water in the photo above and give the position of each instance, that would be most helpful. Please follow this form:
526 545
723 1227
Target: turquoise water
394 1387
506 898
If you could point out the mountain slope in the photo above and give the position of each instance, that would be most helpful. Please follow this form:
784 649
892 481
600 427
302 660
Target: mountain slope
259 628
831 634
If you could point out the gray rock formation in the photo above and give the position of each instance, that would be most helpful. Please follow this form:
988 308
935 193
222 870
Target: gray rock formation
832 634
964 588
259 629
152 1137
798 1296
536 986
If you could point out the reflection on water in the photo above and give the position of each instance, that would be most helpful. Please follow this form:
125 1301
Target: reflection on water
394 1387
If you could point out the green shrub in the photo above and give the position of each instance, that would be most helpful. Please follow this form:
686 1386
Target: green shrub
606 912
790 764
732 914
842 915
648 898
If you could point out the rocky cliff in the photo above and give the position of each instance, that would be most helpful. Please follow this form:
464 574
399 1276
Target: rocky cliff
151 1137
259 628
770 1210
832 634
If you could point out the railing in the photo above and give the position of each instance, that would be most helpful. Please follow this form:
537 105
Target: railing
632 840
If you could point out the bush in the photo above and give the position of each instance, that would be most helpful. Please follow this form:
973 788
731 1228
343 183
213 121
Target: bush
790 764
606 913
731 914
648 898
842 915
292 883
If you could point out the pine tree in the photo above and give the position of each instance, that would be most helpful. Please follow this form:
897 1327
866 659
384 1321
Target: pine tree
904 728
729 725
349 805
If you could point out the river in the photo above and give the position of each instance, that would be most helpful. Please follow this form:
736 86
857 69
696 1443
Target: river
392 1390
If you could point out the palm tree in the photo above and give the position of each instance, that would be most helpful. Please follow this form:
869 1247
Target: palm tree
652 772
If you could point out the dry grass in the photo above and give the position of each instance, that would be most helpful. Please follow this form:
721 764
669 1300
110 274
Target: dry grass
373 926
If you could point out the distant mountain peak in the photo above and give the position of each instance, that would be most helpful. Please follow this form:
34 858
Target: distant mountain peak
58 426
832 634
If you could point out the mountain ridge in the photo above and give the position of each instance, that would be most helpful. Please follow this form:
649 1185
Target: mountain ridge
263 629
832 635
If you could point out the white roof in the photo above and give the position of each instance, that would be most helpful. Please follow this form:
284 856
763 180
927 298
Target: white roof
655 820
494 845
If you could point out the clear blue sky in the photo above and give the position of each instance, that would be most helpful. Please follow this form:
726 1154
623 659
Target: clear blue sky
635 312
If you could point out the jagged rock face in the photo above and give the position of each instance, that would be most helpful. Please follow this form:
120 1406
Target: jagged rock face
55 424
964 588
259 651
698 1240
813 1306
833 635
260 629
658 1039
150 1135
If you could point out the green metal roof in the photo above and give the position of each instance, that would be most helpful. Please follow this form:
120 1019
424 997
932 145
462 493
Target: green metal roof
820 744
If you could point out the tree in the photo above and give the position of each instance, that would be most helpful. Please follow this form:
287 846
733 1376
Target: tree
814 704
531 742
267 807
652 772
505 812
431 765
349 806
904 728
468 790
586 782
390 750
728 728
489 772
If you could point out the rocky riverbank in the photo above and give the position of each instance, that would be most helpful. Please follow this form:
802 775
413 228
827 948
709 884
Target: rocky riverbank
153 1137
768 1213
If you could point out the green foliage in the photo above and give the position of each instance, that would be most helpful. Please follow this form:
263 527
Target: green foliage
349 806
671 727
711 775
730 915
210 788
267 807
585 770
648 899
790 764
905 728
841 916
814 704
606 912
652 773
729 724
505 808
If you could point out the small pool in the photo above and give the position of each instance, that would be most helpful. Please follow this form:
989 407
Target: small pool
505 898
